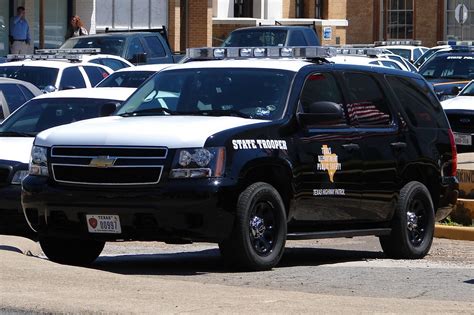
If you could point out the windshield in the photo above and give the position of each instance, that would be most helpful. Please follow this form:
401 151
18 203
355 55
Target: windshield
131 79
468 90
112 45
41 114
41 77
449 67
405 53
252 93
257 38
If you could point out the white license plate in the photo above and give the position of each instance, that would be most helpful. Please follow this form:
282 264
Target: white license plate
462 139
98 223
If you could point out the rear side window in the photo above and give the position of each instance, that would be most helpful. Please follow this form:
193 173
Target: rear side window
135 48
416 100
156 48
72 78
367 106
94 74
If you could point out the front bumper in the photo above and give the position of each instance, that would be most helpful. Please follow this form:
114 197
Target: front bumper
12 219
448 198
181 211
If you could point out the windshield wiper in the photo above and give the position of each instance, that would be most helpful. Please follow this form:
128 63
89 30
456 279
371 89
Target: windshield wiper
149 111
218 112
17 134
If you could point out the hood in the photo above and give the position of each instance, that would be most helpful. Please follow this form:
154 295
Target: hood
459 103
169 131
16 148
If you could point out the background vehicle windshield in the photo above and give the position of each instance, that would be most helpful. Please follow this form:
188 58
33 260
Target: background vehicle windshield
107 44
256 38
257 93
38 76
405 53
468 90
41 114
449 67
131 79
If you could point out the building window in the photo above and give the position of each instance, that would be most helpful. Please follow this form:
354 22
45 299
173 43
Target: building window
55 23
299 8
318 9
400 19
454 30
243 8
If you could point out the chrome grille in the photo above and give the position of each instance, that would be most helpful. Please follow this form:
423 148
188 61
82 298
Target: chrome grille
107 165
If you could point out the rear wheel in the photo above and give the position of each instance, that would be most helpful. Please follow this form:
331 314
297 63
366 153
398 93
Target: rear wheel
258 238
71 251
413 224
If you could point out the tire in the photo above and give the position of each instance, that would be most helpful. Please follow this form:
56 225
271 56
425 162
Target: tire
412 225
71 251
257 241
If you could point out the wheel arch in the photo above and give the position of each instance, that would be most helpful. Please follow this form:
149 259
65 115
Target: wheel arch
274 171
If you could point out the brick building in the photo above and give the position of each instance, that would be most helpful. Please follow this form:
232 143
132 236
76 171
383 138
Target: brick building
426 20
194 23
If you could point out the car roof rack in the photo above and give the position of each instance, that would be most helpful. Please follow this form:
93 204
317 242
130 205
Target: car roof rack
398 43
216 53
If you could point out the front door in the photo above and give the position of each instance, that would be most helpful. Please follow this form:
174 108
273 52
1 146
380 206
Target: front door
329 171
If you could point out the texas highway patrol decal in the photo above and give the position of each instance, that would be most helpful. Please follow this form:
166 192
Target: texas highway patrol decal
328 162
248 144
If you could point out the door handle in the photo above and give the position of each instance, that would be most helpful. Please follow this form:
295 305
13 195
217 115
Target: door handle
398 146
351 147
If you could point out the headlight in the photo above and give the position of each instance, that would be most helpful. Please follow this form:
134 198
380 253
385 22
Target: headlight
18 177
38 161
198 163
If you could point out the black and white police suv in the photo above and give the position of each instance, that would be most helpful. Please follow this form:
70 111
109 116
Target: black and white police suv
271 144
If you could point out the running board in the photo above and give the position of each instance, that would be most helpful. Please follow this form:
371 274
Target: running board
335 234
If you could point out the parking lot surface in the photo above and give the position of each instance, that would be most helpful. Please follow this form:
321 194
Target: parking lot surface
343 275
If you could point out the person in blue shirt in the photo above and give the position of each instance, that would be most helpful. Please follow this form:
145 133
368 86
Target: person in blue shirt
19 33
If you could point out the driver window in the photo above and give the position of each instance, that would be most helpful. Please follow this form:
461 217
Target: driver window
321 87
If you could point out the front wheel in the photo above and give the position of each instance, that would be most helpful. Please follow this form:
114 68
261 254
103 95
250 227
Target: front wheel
413 224
71 251
258 237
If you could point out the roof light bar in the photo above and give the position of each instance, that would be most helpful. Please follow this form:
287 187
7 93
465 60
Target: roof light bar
260 52
398 42
12 57
69 51
360 51
456 43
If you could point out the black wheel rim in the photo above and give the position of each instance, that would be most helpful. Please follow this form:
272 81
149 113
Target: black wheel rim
417 222
263 228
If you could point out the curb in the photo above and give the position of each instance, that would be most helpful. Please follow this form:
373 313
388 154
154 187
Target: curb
454 232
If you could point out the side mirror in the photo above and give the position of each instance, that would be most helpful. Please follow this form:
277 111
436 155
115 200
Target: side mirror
139 59
455 90
49 89
322 114
108 108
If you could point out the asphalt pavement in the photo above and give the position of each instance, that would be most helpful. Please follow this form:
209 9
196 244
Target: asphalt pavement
337 275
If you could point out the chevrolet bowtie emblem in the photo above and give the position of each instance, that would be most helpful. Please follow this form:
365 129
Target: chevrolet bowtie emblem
103 162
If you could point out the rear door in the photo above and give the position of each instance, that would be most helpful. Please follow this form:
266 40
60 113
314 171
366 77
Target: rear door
369 112
329 171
